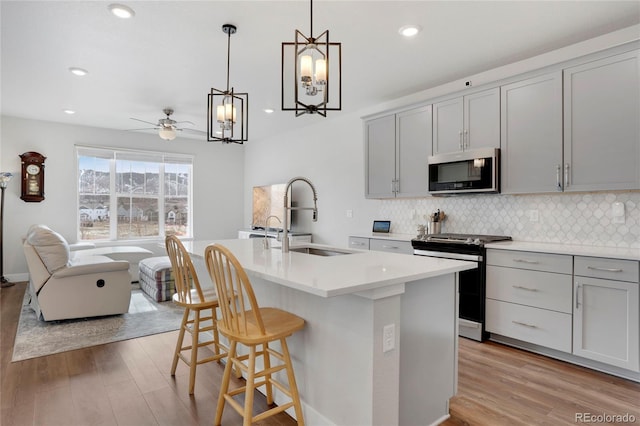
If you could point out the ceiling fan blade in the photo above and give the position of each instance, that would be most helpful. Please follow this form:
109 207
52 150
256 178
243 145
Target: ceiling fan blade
148 122
187 122
200 132
147 128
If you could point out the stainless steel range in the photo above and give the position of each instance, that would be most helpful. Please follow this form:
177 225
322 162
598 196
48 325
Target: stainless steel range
472 283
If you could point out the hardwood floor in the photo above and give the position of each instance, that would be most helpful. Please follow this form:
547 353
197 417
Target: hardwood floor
128 383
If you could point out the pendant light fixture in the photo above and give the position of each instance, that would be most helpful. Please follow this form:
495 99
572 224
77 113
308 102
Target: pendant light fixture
311 74
227 111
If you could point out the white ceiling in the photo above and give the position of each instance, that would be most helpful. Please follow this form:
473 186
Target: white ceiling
172 52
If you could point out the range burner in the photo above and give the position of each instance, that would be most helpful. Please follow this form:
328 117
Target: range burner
475 239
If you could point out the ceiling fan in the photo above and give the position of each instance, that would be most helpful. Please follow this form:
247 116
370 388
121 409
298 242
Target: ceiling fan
167 127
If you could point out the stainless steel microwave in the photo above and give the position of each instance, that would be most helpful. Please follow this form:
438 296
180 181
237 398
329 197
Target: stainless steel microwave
473 171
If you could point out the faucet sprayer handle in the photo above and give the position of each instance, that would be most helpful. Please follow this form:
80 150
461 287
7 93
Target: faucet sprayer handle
315 215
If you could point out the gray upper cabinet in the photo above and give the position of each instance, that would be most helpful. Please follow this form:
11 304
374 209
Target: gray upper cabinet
468 122
380 154
396 151
531 132
602 124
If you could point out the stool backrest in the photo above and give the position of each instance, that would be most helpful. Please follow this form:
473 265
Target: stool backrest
236 299
184 273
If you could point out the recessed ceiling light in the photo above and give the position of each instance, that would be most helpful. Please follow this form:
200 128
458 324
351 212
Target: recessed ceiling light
69 111
409 30
121 11
78 71
268 110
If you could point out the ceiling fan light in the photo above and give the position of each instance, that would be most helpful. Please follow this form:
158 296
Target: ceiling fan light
167 133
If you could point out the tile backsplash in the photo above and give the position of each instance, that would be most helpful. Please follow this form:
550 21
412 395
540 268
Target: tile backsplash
584 218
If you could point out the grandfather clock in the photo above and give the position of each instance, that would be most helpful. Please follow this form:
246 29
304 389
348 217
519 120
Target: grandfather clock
32 177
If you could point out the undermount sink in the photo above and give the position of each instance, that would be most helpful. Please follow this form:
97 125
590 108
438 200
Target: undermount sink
320 251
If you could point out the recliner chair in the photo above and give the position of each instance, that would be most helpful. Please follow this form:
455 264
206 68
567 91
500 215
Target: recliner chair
62 287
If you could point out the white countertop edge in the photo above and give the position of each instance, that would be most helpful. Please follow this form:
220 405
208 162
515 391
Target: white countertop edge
570 249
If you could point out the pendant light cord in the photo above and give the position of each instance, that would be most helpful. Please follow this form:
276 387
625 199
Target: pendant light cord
311 13
228 56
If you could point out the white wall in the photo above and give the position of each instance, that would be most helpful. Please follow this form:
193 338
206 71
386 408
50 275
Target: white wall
217 184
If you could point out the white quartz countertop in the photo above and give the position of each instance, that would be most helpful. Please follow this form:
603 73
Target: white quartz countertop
329 276
572 249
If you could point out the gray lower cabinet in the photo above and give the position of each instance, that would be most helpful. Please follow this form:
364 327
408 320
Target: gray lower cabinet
396 151
606 324
381 244
587 307
360 243
529 297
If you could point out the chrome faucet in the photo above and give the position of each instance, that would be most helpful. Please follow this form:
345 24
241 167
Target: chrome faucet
266 228
285 225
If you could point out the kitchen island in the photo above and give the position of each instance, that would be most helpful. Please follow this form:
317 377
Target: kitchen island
380 342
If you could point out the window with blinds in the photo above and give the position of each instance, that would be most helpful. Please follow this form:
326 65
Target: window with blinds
129 195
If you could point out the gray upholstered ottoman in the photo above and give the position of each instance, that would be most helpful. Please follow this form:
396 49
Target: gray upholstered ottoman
156 278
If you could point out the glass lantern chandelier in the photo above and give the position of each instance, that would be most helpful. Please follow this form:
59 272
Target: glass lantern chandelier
311 74
227 111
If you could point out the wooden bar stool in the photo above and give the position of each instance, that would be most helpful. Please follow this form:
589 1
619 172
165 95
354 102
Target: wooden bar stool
244 322
190 296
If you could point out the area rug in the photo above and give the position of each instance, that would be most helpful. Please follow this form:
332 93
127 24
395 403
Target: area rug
36 338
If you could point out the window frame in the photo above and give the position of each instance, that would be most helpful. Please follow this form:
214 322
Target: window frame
157 157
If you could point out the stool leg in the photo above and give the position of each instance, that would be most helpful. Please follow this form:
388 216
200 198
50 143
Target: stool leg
267 365
176 355
195 337
216 336
224 386
250 385
293 388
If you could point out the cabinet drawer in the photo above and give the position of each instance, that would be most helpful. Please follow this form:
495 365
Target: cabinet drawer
560 263
531 288
392 246
360 243
612 269
538 326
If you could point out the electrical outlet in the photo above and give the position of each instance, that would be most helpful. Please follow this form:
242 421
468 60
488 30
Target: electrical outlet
388 337
349 213
617 212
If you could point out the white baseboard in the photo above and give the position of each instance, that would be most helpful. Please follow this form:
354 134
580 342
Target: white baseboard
17 278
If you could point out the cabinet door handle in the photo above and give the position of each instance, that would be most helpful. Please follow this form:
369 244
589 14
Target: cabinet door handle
355 243
558 178
577 294
524 324
460 142
566 175
390 247
519 287
597 268
465 143
532 262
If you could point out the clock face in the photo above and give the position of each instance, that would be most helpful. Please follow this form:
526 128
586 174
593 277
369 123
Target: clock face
33 169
